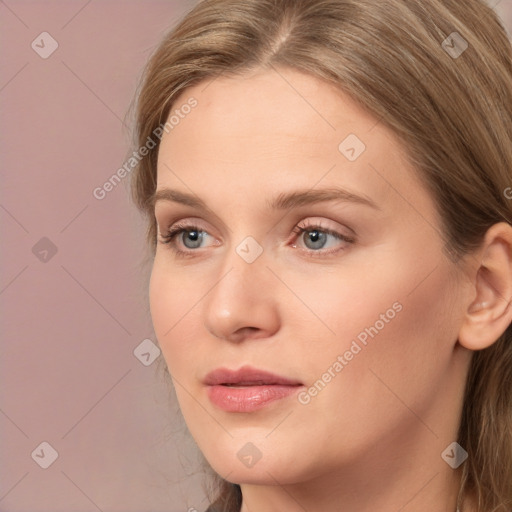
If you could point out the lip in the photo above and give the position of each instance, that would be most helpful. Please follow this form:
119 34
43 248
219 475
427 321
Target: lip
247 389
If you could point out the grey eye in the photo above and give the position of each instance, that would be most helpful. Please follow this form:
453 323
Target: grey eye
315 237
192 236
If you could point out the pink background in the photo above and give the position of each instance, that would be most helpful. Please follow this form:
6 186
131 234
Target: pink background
70 324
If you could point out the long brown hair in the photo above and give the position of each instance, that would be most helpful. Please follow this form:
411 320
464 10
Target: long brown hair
438 73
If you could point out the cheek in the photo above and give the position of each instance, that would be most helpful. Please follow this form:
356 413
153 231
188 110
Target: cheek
162 303
396 331
391 311
402 366
175 322
171 305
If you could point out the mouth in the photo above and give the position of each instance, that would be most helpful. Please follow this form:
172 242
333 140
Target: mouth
247 389
248 384
247 376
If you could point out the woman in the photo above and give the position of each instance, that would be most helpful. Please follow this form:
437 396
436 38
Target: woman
328 192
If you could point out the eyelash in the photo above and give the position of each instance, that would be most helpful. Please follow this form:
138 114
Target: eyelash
178 229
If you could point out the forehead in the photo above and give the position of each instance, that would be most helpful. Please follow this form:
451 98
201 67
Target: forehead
277 129
285 104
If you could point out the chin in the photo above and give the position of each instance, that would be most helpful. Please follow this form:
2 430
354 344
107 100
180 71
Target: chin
244 462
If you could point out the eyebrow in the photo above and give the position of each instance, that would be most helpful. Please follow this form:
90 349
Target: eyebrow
282 201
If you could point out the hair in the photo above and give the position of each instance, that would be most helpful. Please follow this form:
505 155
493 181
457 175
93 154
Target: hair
452 114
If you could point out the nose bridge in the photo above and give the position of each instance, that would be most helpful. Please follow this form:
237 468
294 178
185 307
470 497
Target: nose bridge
241 297
244 267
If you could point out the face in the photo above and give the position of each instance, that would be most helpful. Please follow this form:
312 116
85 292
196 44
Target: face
303 245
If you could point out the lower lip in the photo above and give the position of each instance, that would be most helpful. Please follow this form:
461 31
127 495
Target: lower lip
248 398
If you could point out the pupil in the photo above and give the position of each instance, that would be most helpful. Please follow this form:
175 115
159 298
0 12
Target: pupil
314 236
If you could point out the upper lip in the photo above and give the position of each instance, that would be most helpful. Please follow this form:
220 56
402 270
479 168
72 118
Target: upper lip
247 376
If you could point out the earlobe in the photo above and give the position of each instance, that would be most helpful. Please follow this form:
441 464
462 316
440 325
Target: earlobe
490 312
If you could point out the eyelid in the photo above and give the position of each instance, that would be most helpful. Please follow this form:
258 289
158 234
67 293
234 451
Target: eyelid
312 223
187 223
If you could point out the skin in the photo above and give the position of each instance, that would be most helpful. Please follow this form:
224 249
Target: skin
372 438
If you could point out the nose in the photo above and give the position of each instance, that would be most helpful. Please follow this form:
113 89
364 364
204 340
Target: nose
242 303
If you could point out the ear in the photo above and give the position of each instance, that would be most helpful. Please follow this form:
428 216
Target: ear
490 312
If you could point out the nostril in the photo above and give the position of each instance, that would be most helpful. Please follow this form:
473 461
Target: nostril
248 332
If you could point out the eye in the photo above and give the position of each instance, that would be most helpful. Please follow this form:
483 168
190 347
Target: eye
316 238
190 236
